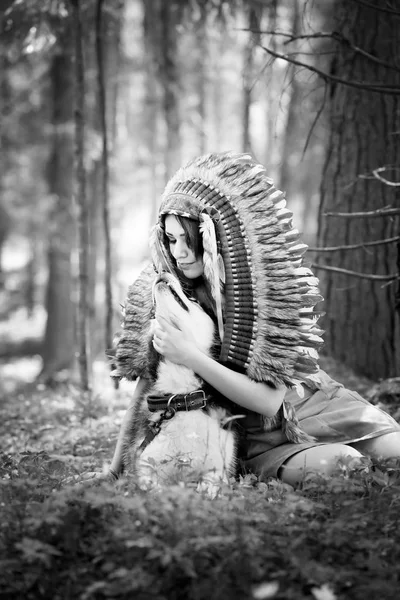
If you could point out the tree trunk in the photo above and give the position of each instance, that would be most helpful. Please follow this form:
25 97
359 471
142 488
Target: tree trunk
152 108
201 74
171 87
31 271
58 346
84 358
217 85
100 30
362 327
96 310
5 108
248 76
271 145
290 141
101 96
4 231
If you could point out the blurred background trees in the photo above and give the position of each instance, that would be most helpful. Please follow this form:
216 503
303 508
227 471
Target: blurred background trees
311 90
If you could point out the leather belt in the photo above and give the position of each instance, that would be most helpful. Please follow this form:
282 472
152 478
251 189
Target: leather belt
174 402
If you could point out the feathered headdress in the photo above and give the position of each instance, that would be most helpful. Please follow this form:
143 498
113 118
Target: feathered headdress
268 325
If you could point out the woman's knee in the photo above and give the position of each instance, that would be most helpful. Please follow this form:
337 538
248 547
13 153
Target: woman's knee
384 446
319 459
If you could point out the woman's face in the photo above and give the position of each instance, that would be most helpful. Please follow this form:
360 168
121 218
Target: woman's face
186 260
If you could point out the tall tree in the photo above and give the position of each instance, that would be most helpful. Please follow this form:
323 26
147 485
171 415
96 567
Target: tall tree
217 89
105 173
169 17
201 70
152 109
271 154
254 15
59 340
102 24
362 325
291 129
81 200
5 99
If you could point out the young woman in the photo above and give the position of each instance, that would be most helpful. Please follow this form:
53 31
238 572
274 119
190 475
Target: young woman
225 232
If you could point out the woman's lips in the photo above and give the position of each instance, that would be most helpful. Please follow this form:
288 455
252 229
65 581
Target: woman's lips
184 266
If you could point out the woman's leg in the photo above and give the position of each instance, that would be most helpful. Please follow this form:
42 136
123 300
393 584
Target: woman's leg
384 446
321 459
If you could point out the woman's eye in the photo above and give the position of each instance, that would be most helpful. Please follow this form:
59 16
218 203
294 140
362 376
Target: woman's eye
171 241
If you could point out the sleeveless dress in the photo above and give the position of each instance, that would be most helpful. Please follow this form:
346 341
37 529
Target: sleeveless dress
332 414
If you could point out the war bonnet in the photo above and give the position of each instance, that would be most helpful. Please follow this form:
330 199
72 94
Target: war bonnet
269 326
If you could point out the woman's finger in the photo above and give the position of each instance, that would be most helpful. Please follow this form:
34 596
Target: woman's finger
159 332
167 325
162 324
157 328
158 340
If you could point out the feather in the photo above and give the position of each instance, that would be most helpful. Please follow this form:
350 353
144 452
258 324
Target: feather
211 269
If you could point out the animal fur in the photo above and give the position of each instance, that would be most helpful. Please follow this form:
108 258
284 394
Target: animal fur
193 445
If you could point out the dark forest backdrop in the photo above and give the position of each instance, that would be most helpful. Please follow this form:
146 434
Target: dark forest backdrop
101 100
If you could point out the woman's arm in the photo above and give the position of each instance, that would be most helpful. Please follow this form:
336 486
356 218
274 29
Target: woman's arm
237 387
256 396
140 390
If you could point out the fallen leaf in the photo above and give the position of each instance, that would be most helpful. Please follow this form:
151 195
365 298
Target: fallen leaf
324 592
267 589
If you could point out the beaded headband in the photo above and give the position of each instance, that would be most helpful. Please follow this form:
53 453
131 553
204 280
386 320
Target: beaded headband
269 322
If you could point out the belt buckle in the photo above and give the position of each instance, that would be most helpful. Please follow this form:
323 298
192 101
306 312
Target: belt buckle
196 392
170 411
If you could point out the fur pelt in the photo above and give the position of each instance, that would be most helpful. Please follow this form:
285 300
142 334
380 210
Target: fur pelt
193 442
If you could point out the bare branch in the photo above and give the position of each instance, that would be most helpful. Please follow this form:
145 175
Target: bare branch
388 89
381 212
320 53
376 172
353 246
315 120
333 35
367 55
291 37
384 9
370 276
339 37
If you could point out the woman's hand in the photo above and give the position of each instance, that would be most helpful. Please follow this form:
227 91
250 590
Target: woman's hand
172 343
179 348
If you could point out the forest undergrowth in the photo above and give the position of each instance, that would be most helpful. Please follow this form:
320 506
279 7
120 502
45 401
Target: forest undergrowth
335 538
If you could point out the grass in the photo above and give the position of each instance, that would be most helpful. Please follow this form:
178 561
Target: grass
334 538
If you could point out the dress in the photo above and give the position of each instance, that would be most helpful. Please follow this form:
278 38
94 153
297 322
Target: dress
332 414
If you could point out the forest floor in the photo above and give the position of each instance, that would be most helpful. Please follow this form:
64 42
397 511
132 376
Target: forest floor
335 538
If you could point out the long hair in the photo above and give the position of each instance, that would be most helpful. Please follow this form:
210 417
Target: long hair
199 287
192 235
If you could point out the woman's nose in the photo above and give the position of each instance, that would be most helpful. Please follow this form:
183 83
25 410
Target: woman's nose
180 250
